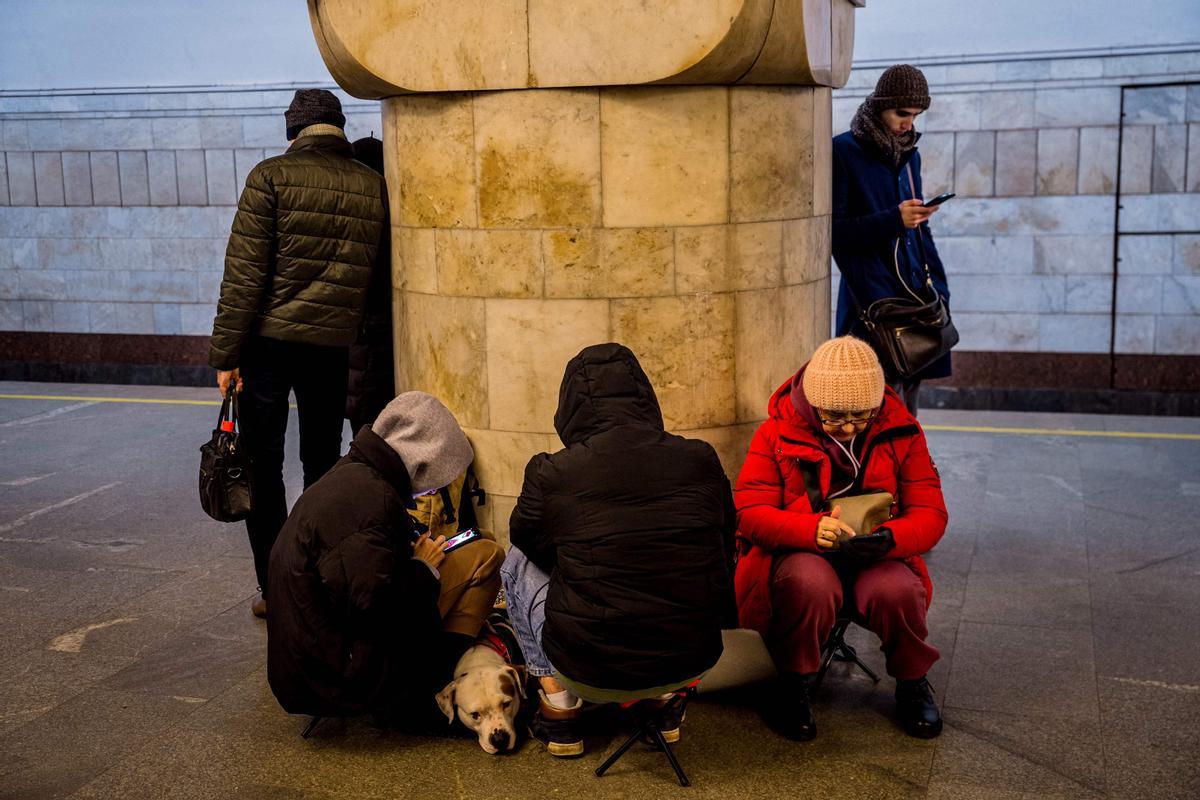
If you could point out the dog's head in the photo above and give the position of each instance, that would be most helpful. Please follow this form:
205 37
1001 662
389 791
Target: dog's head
487 698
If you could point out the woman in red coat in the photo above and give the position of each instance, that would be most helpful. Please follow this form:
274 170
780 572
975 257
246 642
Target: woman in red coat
836 421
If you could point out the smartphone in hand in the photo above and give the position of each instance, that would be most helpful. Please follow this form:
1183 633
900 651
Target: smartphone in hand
937 201
459 539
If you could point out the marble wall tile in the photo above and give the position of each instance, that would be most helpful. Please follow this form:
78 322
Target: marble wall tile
529 344
1158 105
489 263
431 142
1186 257
1059 108
1058 160
441 348
612 262
773 338
1173 334
1007 110
771 138
1137 156
665 156
219 175
729 257
1135 333
164 184
686 346
244 160
1146 255
1072 255
77 179
192 177
1016 163
538 158
1074 333
806 249
974 163
135 181
106 179
501 456
952 111
1181 295
937 163
991 332
22 184
1097 160
4 181
414 259
48 174
1088 294
1170 159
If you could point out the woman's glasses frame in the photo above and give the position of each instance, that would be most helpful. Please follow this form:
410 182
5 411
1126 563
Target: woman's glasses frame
857 422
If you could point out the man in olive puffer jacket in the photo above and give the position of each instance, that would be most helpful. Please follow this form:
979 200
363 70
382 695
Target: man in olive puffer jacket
305 240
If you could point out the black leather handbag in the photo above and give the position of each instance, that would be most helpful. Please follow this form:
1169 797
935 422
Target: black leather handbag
225 491
910 333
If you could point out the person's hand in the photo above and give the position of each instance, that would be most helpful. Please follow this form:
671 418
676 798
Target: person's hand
830 527
913 213
227 378
430 550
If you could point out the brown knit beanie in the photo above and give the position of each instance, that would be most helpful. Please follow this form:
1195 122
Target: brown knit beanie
844 375
311 107
900 86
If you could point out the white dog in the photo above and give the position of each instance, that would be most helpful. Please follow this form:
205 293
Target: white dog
487 693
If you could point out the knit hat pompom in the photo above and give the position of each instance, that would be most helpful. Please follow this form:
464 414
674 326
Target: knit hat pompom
312 107
900 86
844 375
427 438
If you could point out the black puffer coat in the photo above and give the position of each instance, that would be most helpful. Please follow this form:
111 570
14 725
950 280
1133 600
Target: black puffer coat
304 241
636 526
353 624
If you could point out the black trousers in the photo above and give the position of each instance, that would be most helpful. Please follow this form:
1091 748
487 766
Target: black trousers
271 369
909 391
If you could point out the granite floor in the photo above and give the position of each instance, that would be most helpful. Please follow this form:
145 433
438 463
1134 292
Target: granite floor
1065 603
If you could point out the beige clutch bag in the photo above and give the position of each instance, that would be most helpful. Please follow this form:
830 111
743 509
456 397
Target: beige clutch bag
862 512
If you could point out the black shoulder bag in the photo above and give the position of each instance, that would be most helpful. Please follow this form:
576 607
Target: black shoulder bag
909 333
225 493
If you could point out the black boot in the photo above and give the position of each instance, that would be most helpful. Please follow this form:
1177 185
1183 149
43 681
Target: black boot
787 710
917 710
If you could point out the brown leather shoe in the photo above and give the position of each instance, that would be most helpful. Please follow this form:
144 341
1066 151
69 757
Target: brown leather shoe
259 607
558 728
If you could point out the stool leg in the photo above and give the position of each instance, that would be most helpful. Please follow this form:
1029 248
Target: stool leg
666 748
310 727
620 751
853 656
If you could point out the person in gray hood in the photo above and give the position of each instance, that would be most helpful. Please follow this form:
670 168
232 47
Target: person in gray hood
364 616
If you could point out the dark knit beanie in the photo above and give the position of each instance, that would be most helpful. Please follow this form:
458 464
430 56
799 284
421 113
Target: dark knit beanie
900 86
310 107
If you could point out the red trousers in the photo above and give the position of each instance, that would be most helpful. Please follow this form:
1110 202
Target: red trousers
806 593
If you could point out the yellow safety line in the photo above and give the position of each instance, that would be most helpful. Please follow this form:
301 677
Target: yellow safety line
1190 437
148 400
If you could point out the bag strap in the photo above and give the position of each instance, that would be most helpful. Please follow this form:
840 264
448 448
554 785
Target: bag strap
920 235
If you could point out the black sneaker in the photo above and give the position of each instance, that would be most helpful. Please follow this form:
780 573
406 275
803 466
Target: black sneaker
917 710
787 709
557 728
669 714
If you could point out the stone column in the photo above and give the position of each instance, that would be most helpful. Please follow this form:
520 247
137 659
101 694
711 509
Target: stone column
564 174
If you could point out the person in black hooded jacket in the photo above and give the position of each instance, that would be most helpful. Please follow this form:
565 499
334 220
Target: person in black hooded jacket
363 615
627 535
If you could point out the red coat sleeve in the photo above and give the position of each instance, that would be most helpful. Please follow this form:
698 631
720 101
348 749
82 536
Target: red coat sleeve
759 498
922 518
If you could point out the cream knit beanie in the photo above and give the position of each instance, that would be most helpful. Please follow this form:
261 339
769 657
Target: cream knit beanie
844 375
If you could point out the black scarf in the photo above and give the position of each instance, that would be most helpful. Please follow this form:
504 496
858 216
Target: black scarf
868 128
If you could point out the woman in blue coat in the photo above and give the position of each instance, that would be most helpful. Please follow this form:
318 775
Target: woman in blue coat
881 238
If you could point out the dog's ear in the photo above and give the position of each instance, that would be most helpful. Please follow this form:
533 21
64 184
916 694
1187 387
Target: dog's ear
516 678
445 701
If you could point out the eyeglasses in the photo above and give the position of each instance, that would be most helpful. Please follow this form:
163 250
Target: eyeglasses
857 422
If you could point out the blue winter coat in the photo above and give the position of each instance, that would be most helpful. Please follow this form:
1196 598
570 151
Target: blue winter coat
872 248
